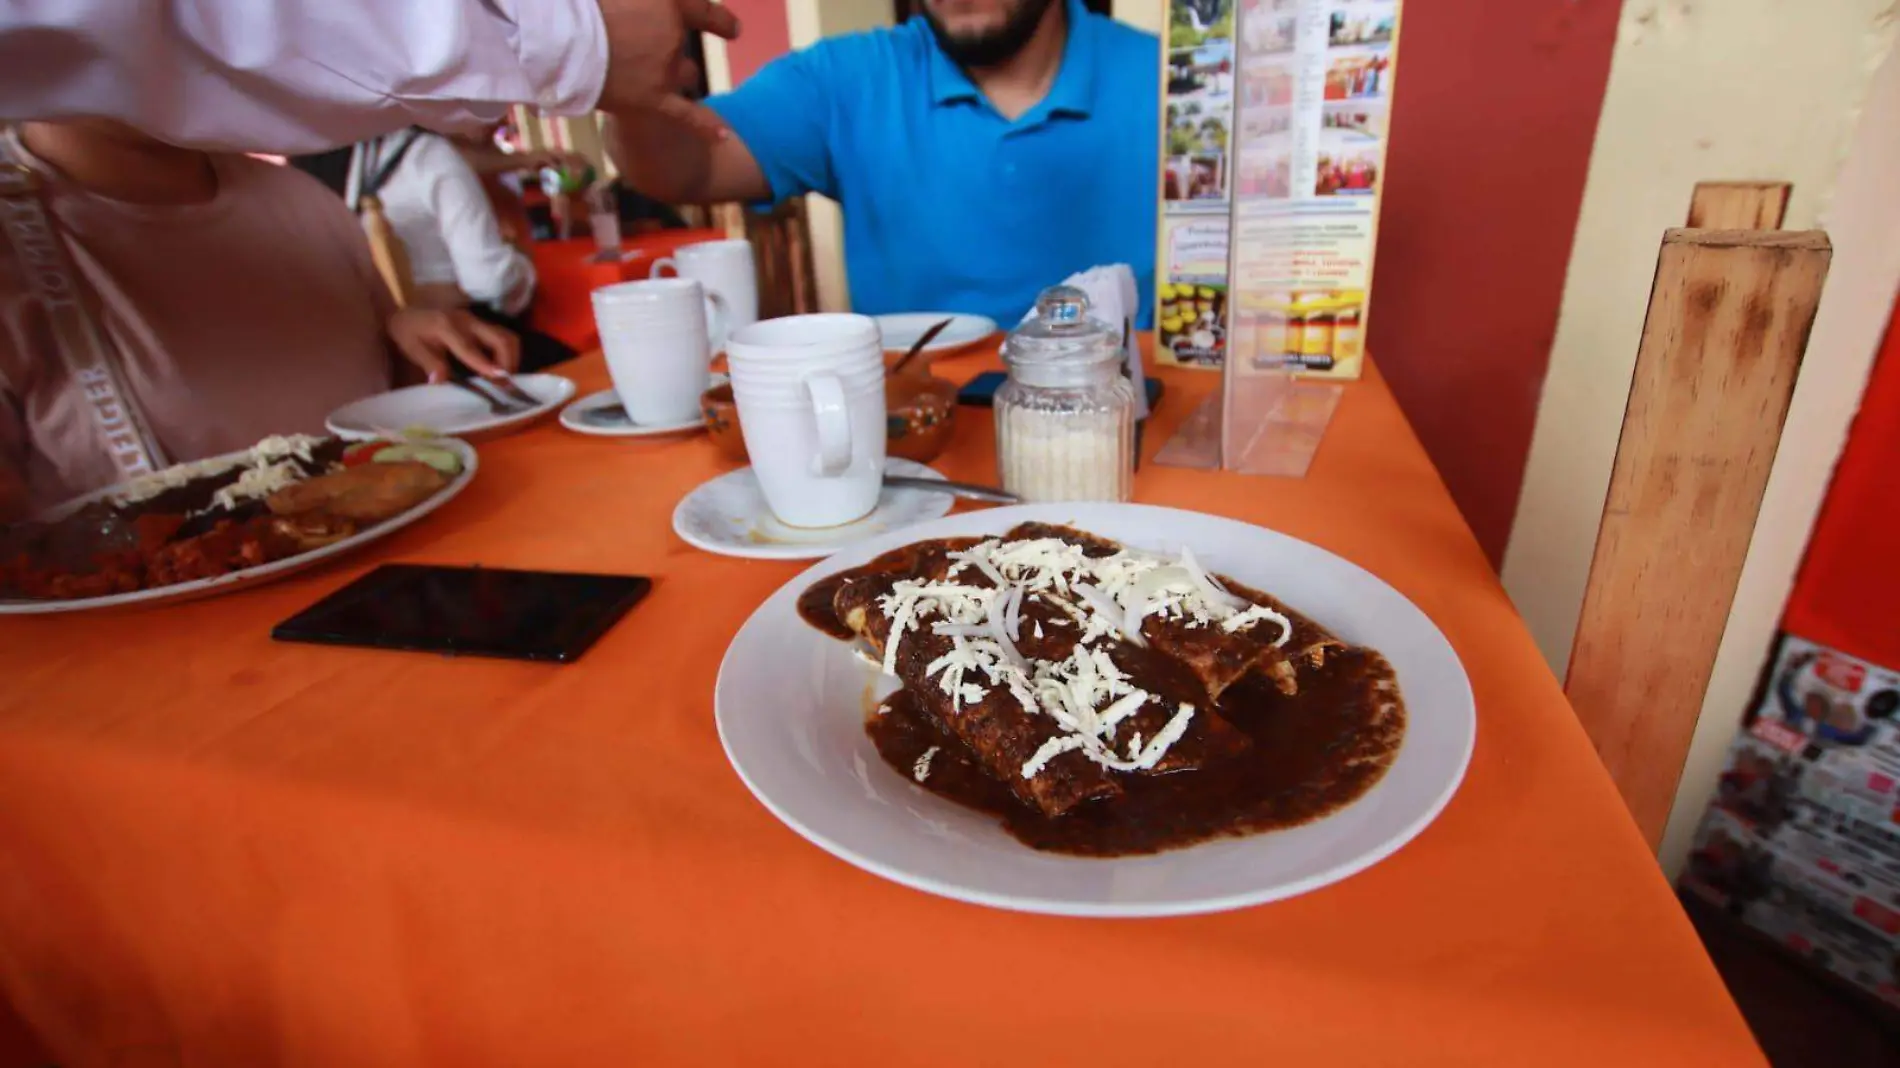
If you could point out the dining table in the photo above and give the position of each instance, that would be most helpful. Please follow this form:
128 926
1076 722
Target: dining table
217 849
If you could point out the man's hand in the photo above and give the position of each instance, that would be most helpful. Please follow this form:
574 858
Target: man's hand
646 68
431 337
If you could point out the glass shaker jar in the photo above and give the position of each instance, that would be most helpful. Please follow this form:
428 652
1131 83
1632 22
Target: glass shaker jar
1065 419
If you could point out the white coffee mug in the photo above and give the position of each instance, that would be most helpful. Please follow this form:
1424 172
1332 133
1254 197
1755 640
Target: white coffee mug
659 355
810 394
723 267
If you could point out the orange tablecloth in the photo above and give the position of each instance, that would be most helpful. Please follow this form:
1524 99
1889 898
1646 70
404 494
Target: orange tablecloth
219 850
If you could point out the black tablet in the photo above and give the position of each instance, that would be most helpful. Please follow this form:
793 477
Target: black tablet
469 611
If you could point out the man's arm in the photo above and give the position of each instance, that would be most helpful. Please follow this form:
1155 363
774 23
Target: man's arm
296 76
662 158
775 138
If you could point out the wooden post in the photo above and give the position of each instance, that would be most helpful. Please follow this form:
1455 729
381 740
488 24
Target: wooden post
1729 314
1739 205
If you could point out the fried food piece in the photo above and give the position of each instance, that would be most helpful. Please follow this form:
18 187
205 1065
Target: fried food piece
312 530
365 495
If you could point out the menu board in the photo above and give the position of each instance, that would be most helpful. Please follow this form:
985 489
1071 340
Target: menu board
1273 148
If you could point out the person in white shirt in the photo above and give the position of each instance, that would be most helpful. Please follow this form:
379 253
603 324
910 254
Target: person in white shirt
434 201
297 76
457 257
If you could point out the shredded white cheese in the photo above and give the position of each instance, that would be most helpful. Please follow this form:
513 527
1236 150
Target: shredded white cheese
1087 696
921 769
1255 614
256 482
1050 750
266 468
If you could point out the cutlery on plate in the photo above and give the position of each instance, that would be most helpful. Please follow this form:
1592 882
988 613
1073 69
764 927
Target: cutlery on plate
918 346
967 490
512 389
496 405
502 384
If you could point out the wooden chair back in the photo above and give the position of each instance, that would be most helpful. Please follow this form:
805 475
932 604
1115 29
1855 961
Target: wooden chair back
781 246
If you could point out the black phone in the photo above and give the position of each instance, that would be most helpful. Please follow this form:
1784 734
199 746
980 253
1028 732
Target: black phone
470 611
981 390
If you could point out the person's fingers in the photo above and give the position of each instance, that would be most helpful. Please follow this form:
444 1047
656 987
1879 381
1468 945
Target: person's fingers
702 121
716 19
461 345
504 348
685 73
423 355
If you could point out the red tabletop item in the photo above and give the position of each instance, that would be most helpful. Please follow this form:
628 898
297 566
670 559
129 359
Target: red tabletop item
567 272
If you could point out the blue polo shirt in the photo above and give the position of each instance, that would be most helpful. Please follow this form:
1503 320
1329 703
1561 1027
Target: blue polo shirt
947 205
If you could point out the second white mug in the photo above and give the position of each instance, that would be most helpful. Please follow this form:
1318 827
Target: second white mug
656 339
723 267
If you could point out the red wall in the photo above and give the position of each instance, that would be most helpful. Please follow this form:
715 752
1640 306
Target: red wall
1848 592
766 36
1494 112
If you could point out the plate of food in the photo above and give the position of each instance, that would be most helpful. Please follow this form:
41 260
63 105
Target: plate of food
1096 710
224 523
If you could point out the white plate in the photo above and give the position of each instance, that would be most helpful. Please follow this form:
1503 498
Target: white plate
448 410
574 416
790 705
238 580
727 515
900 332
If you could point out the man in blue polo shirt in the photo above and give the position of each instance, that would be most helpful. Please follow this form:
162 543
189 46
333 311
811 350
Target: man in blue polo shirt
981 151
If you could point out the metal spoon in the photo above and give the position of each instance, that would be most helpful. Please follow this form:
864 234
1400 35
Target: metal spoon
967 490
928 336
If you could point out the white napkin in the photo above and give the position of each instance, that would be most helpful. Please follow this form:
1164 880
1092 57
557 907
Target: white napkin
1112 298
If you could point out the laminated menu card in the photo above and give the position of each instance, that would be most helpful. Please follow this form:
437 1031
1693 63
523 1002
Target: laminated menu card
1277 114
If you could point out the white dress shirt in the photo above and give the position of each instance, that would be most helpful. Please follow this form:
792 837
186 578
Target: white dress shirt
435 204
296 76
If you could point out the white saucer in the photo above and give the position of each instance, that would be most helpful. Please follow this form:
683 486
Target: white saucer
728 516
900 331
448 410
575 416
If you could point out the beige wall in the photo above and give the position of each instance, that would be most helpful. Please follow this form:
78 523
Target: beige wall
1740 89
1150 15
1863 219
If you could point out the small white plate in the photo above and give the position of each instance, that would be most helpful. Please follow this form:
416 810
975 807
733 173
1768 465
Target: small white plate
446 409
580 416
900 332
728 516
790 705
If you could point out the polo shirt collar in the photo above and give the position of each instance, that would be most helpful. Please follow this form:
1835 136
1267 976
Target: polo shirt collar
1074 88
